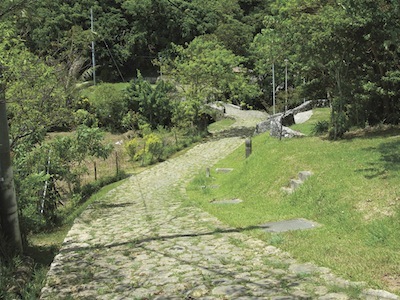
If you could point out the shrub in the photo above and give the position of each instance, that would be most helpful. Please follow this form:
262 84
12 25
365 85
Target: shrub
91 188
83 117
109 105
154 146
321 127
131 148
132 120
155 104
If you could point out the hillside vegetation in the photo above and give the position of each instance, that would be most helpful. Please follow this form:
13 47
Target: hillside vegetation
196 52
353 193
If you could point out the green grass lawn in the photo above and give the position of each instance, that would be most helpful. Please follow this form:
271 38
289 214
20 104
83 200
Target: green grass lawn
88 91
354 194
321 114
220 125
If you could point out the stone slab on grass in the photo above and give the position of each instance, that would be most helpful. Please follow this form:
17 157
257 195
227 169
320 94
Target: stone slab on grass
231 201
223 170
288 225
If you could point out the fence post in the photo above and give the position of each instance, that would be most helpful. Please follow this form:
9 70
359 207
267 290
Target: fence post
116 162
208 172
248 147
95 170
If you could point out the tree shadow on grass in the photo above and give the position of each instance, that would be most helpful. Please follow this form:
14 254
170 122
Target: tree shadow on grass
389 163
371 132
42 254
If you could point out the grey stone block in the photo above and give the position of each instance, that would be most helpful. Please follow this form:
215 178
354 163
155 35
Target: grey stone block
295 183
304 175
223 170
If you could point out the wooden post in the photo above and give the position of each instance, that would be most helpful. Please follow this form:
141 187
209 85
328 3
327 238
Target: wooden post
95 171
248 147
116 162
208 172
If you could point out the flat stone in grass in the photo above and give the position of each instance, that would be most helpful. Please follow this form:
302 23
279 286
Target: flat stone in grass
223 170
210 187
231 201
296 224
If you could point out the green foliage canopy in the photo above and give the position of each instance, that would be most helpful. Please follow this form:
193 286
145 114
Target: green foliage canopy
40 173
36 100
345 50
206 71
109 105
155 104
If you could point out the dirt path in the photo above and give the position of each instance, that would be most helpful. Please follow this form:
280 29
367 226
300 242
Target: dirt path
139 242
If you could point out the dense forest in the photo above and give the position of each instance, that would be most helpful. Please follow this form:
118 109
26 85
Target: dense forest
199 51
343 50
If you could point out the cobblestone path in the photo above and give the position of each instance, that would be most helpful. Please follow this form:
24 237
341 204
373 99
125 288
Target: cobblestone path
139 242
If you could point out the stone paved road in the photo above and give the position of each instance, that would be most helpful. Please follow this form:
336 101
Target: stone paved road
139 242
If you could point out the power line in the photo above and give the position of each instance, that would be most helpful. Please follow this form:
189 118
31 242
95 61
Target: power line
93 53
115 63
108 50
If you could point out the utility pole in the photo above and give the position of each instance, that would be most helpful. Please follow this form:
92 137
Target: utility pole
8 199
286 90
273 89
93 54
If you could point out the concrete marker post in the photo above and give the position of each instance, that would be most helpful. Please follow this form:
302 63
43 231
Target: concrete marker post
248 147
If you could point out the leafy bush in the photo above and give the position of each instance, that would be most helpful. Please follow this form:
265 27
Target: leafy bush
321 127
40 174
20 278
37 209
91 188
109 105
155 104
154 146
131 148
132 120
160 144
83 117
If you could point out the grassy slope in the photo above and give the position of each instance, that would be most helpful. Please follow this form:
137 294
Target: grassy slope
354 193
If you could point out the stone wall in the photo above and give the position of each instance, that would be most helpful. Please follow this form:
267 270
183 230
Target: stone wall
287 119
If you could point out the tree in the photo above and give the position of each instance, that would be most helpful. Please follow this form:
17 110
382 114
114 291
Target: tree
35 104
37 101
235 36
49 168
9 220
61 30
154 104
378 88
8 203
205 70
131 33
342 49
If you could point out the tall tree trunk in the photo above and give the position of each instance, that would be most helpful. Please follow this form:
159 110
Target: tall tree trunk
8 200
